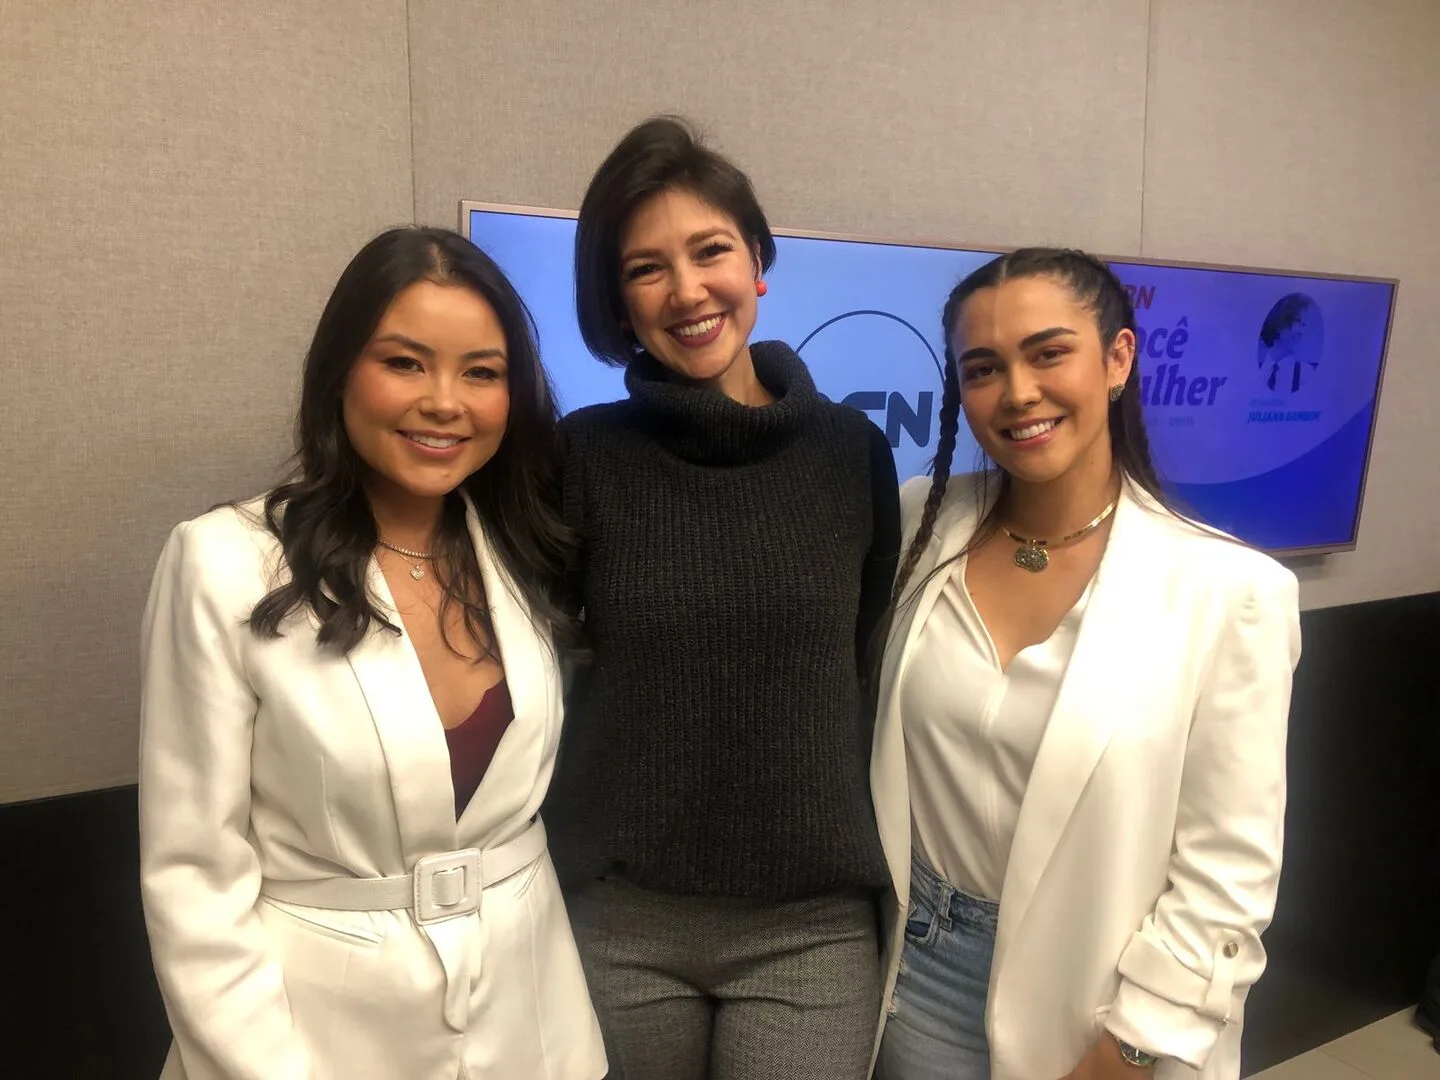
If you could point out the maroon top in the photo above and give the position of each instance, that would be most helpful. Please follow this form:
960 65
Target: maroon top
473 741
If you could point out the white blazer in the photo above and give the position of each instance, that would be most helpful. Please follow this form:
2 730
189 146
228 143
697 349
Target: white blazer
1147 851
272 759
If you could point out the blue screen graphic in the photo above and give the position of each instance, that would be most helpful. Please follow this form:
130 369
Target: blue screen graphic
1259 389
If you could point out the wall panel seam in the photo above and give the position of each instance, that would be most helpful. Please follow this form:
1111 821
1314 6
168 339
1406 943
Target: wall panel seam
410 113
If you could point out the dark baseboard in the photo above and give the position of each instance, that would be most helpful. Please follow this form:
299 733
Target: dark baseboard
1358 916
81 999
1357 922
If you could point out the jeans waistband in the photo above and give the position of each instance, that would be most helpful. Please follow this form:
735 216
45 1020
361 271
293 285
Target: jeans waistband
949 902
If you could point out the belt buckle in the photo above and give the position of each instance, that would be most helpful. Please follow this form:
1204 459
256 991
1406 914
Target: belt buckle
447 885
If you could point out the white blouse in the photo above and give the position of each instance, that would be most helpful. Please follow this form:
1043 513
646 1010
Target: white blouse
972 732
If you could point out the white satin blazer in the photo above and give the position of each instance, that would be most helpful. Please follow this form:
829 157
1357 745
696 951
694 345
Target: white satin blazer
274 759
1147 850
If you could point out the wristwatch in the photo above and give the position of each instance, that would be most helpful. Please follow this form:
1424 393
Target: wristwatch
1133 1056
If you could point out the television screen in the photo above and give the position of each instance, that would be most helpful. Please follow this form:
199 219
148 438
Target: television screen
1259 387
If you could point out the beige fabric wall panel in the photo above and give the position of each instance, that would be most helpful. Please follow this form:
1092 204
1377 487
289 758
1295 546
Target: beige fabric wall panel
183 182
963 120
1306 134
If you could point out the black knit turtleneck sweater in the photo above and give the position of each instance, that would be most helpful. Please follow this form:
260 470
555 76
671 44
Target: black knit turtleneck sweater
737 564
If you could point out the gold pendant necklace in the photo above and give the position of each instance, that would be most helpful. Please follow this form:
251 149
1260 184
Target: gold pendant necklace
416 570
1034 555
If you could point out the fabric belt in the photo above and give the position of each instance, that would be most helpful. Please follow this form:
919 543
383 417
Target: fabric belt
443 886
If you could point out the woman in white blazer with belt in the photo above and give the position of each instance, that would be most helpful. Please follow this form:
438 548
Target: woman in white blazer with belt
351 706
1079 766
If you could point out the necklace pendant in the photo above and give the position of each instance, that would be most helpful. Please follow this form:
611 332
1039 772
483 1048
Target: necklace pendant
1032 557
417 572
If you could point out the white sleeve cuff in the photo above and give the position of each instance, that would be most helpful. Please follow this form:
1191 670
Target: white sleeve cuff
1159 1026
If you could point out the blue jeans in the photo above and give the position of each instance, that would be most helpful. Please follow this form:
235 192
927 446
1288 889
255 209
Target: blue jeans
936 1028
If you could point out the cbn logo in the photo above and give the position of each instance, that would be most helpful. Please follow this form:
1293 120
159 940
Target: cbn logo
879 363
899 416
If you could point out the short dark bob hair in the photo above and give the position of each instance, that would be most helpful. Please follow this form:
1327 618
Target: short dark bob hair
664 153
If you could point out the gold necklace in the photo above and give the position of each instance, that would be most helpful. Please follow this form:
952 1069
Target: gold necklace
416 570
1034 555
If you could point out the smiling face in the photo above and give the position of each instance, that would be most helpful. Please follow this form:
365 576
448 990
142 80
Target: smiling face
427 402
687 280
1035 379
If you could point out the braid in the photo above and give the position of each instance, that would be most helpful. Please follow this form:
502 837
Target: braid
944 459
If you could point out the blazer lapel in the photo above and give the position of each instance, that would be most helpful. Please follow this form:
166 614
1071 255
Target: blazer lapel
418 762
1091 698
411 734
511 777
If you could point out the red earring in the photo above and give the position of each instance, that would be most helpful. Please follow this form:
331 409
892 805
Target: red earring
760 287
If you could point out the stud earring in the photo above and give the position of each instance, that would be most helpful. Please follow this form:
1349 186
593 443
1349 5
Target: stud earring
760 287
1115 392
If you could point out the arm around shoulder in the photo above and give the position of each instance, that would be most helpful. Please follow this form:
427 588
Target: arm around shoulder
878 574
1186 970
885 507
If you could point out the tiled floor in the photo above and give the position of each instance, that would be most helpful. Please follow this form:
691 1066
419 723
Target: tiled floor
1390 1049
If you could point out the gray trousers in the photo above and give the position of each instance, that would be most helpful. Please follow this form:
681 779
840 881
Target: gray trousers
706 988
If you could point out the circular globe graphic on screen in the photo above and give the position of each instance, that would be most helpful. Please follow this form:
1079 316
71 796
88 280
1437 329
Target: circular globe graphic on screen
1291 341
881 364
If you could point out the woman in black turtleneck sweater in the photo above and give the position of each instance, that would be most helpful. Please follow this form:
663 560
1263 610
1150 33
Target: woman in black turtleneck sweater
710 815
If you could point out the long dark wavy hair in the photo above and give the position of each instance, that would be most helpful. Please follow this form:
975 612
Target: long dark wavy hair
322 516
1095 286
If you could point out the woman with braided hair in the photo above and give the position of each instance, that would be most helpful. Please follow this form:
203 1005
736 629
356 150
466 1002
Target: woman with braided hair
1079 764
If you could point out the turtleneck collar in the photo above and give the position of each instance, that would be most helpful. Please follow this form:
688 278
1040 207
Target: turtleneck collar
704 426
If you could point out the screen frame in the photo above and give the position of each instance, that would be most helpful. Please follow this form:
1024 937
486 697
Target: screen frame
468 206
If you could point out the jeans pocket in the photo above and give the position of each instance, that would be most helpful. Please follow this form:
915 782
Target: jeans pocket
921 922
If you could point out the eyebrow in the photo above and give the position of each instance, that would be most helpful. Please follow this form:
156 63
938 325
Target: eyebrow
693 239
421 347
1037 338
